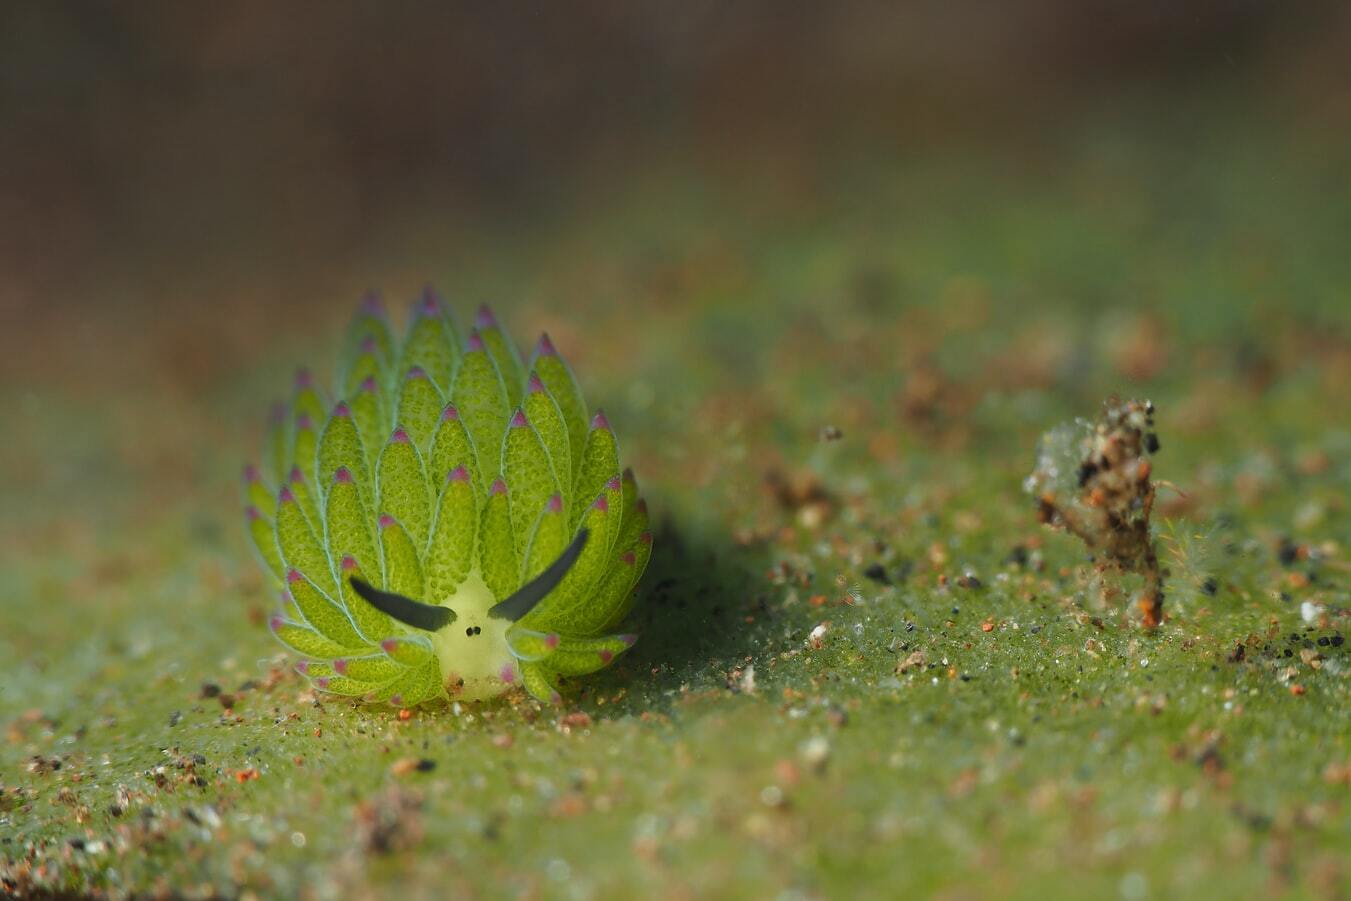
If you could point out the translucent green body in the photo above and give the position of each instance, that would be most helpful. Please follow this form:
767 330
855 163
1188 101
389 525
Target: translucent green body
447 471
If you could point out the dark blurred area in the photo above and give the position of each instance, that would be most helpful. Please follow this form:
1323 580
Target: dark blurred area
184 158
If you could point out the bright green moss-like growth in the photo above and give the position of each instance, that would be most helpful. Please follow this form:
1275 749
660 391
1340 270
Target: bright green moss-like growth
451 523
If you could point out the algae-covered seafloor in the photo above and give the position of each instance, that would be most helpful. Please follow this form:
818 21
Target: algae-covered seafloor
864 671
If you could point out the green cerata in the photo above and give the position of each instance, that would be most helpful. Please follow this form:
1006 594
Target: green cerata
452 523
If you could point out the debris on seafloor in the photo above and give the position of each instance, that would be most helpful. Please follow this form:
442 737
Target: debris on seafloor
389 822
1093 480
802 493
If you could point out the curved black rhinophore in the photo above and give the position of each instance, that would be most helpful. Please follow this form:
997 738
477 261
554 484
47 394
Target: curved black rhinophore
525 599
410 612
431 617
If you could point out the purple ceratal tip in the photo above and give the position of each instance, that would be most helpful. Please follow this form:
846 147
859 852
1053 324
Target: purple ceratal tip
458 474
599 421
368 385
628 557
251 513
342 409
641 506
386 520
349 564
389 645
372 304
508 673
518 420
340 666
551 640
475 341
484 318
545 347
535 385
555 699
293 576
396 700
342 476
602 504
431 303
276 622
606 655
304 423
285 496
416 372
296 477
367 345
322 682
629 639
450 413
303 667
284 598
304 379
498 487
555 504
399 436
646 538
252 475
614 484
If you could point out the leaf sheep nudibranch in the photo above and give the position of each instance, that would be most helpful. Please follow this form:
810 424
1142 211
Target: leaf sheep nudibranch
451 522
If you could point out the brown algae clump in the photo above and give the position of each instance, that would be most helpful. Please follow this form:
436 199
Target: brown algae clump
1093 480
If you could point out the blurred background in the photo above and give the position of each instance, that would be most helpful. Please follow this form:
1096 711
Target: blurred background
178 160
193 196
